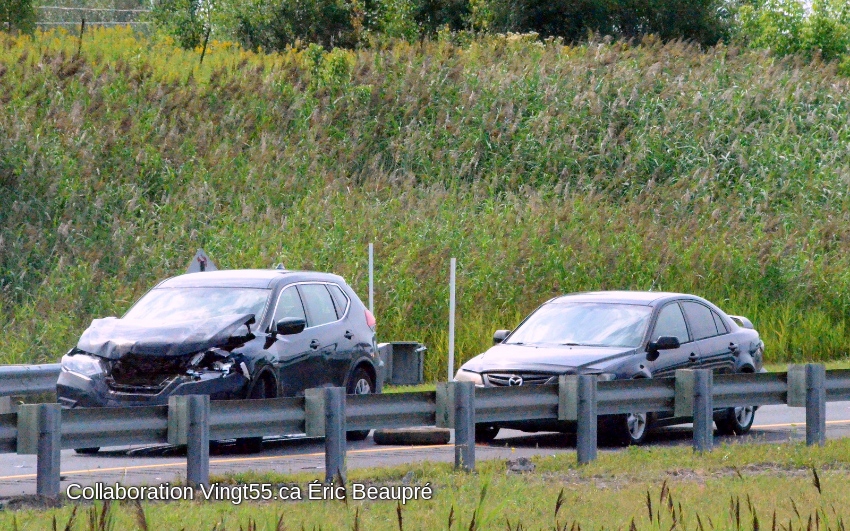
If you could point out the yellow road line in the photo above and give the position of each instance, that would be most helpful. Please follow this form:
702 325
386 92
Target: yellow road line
182 463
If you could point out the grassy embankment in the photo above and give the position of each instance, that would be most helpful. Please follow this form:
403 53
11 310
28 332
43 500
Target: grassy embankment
543 168
755 486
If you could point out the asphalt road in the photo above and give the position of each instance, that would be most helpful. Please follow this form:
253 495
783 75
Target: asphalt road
139 465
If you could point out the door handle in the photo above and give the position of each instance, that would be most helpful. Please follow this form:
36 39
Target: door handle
314 344
693 357
348 334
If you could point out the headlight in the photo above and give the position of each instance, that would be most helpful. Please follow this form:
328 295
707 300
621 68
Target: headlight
82 364
469 376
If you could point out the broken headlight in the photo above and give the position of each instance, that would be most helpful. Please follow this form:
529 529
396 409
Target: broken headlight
82 364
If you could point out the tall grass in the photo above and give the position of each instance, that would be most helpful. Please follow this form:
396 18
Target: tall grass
543 168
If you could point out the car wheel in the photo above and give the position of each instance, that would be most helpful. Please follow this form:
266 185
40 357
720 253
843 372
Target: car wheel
361 383
485 433
254 445
631 429
735 420
87 451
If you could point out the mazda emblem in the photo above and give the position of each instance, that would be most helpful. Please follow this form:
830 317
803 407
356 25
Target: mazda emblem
515 380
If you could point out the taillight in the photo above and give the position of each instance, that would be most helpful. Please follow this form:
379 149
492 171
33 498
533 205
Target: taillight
370 320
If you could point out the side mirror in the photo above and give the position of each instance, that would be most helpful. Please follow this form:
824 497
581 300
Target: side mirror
662 343
290 325
500 336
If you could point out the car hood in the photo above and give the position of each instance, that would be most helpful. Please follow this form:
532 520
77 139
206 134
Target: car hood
112 338
544 358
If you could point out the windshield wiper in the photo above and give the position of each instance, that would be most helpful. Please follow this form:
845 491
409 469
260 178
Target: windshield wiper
574 344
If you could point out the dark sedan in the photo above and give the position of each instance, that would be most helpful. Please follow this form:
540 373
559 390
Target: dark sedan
228 334
619 335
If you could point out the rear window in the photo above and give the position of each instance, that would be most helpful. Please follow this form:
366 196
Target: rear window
340 300
320 306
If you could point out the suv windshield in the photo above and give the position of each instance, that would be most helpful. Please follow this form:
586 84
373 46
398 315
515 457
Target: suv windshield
186 304
584 323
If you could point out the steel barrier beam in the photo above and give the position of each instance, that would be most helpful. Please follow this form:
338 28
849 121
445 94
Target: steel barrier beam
396 410
640 394
838 385
231 419
504 404
28 379
100 426
750 389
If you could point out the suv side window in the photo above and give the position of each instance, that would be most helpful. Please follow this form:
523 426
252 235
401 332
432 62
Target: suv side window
700 319
671 323
289 305
320 307
340 300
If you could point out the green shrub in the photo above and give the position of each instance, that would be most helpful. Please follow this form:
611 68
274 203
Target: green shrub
785 27
17 15
184 20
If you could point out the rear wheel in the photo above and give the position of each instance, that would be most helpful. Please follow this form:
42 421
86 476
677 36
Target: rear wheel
361 383
735 420
264 388
485 433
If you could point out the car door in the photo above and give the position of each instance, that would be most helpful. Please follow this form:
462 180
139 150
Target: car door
299 365
671 322
323 328
349 347
714 344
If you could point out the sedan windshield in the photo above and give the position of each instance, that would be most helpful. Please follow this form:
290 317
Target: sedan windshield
585 324
187 304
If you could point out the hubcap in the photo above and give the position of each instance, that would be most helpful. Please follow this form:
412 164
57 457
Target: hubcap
636 423
744 415
363 387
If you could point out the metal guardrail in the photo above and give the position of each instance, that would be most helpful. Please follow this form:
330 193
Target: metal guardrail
45 429
16 380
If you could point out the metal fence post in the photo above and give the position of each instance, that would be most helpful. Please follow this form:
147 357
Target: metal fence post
464 394
198 440
49 446
815 404
335 434
703 411
586 436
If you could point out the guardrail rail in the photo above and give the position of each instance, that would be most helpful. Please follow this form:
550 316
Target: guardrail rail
45 429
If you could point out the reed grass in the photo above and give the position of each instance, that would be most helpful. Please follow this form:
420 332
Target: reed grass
543 168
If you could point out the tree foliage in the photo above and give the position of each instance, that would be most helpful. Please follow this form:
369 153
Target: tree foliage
17 15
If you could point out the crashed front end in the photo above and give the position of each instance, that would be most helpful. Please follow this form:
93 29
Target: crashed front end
121 364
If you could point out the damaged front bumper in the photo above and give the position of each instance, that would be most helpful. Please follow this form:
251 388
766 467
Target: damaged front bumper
74 390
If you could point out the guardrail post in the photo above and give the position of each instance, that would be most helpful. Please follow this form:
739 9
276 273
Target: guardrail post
464 420
40 433
198 441
586 436
703 411
334 434
815 404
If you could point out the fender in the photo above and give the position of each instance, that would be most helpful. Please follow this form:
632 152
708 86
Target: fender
364 360
264 370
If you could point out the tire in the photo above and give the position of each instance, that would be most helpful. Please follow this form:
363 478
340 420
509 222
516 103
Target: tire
631 429
485 433
360 383
88 451
254 445
735 420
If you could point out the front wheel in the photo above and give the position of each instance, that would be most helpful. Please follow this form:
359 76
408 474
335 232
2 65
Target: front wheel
361 383
735 420
631 429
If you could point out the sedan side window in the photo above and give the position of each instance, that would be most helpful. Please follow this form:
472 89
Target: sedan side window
671 323
289 305
718 322
320 306
700 319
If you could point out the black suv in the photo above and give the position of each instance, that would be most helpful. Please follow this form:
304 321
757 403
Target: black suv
229 334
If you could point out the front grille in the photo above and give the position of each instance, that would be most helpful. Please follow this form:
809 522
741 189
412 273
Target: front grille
135 373
522 378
